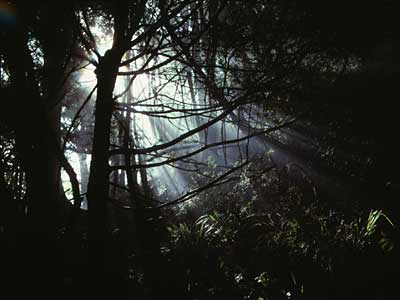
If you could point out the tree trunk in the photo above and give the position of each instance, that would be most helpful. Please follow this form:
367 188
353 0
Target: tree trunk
98 187
36 137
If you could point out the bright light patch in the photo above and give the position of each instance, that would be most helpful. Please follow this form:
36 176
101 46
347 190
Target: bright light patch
162 103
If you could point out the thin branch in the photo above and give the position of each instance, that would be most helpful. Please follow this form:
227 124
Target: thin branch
195 192
77 115
233 141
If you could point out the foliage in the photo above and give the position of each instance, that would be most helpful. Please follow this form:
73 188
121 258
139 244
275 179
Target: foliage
295 249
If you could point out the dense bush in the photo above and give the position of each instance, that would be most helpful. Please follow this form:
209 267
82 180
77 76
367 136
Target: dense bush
282 243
